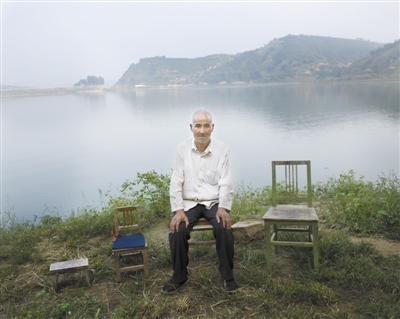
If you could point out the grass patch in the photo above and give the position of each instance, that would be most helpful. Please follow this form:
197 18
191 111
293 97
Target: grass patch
354 280
364 207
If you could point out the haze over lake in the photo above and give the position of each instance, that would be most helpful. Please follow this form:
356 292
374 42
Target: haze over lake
59 151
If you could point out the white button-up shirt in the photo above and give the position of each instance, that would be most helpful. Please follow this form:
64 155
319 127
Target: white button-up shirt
201 178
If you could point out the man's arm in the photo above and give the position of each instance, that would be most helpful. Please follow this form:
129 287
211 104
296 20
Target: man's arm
225 194
175 193
176 184
225 184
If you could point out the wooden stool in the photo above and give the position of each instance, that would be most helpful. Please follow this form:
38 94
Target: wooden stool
202 225
70 266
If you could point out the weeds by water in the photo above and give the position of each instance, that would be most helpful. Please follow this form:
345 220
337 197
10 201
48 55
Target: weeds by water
354 281
363 206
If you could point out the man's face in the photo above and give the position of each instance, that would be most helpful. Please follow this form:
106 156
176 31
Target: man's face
202 128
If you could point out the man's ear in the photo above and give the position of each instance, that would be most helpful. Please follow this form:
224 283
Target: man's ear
191 127
212 130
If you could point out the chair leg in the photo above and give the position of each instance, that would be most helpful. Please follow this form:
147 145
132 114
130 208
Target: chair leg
315 245
86 277
117 266
276 238
268 245
56 282
145 259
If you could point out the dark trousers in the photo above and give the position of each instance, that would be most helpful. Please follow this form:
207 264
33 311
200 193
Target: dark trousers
179 245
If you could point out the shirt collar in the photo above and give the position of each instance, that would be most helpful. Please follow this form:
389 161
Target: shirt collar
208 149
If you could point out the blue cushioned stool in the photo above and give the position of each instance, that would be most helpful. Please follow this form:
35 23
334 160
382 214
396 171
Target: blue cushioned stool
129 240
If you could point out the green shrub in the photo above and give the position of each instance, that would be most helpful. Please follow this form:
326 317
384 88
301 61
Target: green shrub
151 191
17 241
249 202
363 206
84 224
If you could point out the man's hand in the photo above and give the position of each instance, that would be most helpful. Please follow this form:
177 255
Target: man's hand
179 217
223 215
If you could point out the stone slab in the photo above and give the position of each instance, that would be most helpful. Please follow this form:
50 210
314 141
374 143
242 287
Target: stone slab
249 230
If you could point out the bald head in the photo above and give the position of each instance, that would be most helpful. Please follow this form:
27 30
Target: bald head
202 113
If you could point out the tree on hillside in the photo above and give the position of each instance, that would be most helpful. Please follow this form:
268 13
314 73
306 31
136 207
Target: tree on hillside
90 80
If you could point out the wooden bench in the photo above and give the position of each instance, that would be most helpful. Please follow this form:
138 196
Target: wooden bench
70 266
202 225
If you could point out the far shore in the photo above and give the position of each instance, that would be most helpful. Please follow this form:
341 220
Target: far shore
52 90
100 89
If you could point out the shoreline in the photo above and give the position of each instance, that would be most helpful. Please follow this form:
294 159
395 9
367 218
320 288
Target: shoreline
20 92
100 89
126 88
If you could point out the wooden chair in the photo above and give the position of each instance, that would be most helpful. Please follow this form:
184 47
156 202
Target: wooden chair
202 225
129 241
288 209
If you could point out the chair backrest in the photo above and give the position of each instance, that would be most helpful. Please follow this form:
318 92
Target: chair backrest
127 218
291 192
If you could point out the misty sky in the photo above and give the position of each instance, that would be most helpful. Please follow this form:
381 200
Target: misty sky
53 43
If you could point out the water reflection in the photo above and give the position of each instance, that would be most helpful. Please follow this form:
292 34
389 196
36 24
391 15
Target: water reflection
56 148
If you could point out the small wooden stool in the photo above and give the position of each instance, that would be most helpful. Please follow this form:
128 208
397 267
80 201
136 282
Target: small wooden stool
202 225
71 266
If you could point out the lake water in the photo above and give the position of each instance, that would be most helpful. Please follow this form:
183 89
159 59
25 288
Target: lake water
59 151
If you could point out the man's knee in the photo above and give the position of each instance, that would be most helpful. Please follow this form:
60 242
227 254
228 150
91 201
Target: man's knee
222 232
183 232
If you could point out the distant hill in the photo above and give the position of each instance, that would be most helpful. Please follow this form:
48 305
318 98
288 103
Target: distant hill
172 71
291 58
382 63
294 58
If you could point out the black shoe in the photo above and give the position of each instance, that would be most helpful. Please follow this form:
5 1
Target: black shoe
231 286
170 287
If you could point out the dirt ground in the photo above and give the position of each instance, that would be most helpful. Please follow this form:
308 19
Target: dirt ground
158 232
385 246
